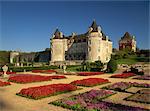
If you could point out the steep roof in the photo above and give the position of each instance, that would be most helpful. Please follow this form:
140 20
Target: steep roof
94 26
57 34
126 36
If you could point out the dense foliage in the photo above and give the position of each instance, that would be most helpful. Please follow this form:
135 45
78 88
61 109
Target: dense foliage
21 69
111 66
92 66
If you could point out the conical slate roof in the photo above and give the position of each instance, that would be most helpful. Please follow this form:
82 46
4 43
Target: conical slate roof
57 34
94 26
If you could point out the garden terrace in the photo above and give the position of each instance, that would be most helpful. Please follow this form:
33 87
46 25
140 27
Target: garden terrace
4 83
124 75
90 82
89 73
46 90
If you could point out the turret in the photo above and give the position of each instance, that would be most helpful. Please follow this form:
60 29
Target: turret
94 38
58 46
99 45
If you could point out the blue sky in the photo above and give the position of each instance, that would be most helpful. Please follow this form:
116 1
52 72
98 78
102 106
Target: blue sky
29 25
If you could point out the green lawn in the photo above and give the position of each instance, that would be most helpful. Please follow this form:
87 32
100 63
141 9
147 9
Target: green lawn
126 61
132 60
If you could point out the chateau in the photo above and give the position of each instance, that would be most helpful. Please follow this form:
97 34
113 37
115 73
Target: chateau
91 46
127 42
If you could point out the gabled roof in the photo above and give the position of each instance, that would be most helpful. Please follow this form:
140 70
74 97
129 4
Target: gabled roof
126 36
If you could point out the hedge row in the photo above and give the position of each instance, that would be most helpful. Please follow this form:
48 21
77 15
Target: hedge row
21 69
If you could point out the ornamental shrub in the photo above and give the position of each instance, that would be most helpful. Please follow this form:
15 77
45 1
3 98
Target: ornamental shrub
111 66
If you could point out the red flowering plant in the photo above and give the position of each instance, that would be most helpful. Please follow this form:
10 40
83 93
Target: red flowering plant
89 73
4 83
124 75
90 82
26 78
47 90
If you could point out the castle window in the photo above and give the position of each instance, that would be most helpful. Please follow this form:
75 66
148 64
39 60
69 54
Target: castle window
98 49
89 41
89 48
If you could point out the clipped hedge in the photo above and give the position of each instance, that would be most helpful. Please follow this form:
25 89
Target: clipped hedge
21 69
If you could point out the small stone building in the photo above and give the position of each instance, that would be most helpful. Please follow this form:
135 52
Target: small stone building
91 46
127 42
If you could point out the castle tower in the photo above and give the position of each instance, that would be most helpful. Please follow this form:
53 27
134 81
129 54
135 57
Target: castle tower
94 38
58 46
99 46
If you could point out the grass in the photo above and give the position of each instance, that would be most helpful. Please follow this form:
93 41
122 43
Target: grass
126 61
132 60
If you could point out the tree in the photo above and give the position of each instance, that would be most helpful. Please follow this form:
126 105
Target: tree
112 66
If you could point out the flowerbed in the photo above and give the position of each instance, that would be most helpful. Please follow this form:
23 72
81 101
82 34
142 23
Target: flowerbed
26 78
144 77
89 73
122 86
124 75
119 86
92 101
90 82
143 85
44 71
45 91
4 83
141 96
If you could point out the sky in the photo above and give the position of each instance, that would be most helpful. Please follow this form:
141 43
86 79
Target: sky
29 25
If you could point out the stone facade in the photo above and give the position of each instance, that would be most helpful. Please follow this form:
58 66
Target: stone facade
127 42
90 46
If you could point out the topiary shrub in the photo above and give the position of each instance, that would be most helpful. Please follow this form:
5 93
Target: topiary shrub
111 66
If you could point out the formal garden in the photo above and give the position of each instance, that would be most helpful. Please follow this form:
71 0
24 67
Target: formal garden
85 87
